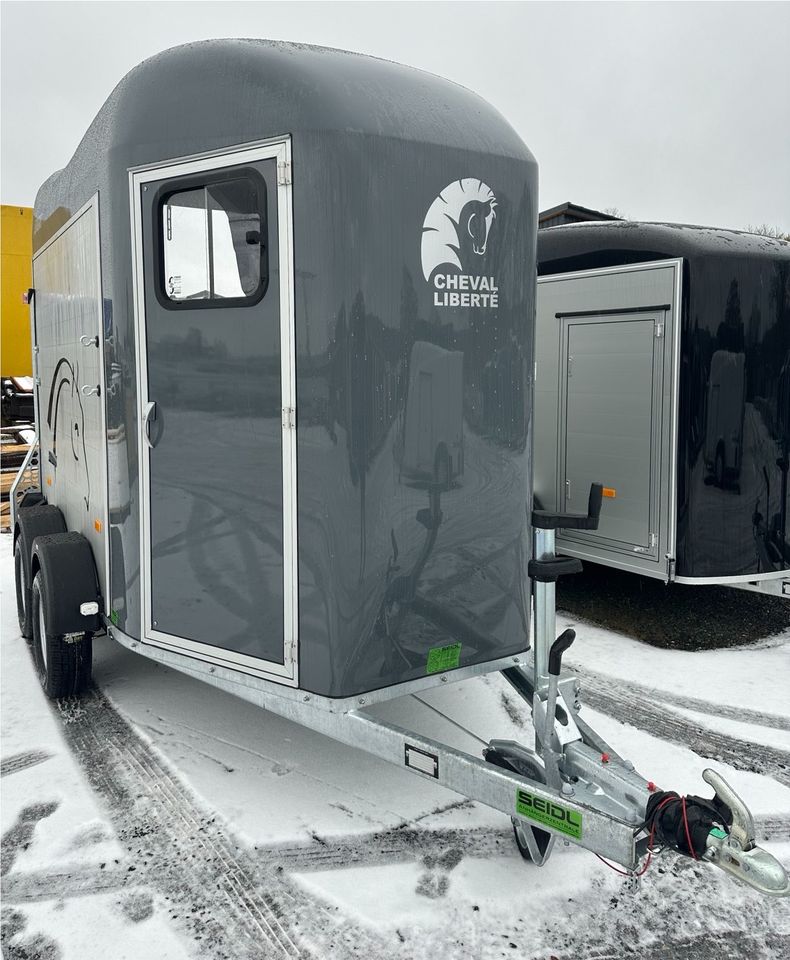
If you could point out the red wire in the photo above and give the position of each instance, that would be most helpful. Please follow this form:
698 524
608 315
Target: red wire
686 827
629 873
664 802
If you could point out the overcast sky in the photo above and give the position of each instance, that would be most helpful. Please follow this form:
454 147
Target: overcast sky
667 111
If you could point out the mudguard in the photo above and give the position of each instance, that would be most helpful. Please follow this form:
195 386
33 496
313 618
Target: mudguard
69 580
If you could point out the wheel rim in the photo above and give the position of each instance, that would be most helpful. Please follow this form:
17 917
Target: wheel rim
42 633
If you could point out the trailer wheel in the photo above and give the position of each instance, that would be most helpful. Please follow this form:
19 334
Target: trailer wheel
22 592
32 521
33 498
542 841
534 845
63 662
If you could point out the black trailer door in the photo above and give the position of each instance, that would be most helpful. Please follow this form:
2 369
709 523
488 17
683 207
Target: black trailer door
213 278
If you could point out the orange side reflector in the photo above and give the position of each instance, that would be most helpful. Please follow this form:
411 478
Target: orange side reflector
49 481
97 526
609 492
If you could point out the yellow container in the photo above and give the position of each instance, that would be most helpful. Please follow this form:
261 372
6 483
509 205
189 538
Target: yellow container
16 254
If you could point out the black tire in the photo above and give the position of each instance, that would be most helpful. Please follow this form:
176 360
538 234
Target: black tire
22 592
542 838
535 771
34 521
33 498
64 668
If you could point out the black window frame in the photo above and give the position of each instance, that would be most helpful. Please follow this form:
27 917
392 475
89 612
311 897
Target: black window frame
195 182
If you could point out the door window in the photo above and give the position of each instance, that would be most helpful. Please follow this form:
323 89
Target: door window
213 243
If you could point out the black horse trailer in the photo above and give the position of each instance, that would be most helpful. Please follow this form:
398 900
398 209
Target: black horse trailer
283 318
663 369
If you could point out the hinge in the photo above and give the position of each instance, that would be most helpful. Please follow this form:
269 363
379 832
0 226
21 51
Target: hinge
652 540
289 418
284 173
659 328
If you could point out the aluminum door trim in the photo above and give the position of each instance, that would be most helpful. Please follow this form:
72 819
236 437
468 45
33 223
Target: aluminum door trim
278 149
674 419
609 271
732 579
639 315
90 205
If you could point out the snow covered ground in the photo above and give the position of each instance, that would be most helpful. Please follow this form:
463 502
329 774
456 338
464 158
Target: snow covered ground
159 818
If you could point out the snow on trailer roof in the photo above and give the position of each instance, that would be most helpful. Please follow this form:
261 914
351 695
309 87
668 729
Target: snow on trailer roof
670 239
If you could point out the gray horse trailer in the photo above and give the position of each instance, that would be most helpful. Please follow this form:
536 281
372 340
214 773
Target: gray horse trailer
283 325
662 354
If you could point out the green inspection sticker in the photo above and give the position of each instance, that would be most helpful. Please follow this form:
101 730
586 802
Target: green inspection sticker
114 617
443 658
549 813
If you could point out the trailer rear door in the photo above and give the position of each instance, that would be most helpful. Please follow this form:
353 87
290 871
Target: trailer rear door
606 409
214 282
613 366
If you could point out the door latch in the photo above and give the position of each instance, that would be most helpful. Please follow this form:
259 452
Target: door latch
149 417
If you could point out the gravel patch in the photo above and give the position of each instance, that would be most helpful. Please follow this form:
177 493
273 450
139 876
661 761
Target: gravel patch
673 616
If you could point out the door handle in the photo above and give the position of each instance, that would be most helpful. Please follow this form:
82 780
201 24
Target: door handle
149 417
87 341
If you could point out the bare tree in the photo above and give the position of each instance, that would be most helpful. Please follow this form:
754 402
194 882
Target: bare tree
765 230
615 212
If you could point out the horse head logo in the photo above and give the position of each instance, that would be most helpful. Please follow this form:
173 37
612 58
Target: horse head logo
458 220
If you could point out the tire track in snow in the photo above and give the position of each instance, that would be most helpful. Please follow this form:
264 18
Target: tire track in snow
382 849
619 700
387 847
189 859
21 761
727 712
213 888
732 945
34 885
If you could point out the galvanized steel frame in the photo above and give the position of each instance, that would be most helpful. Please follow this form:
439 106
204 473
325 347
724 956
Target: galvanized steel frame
348 722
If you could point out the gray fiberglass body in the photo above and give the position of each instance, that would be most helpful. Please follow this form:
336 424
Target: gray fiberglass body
414 213
733 437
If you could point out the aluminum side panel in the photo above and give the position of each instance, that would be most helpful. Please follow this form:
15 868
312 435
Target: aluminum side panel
70 366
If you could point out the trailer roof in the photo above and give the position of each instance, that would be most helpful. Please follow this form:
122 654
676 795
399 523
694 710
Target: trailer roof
215 93
628 241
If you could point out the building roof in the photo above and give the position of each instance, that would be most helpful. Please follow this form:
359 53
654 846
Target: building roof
570 213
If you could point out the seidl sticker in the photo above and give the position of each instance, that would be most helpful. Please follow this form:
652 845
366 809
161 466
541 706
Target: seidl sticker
549 814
